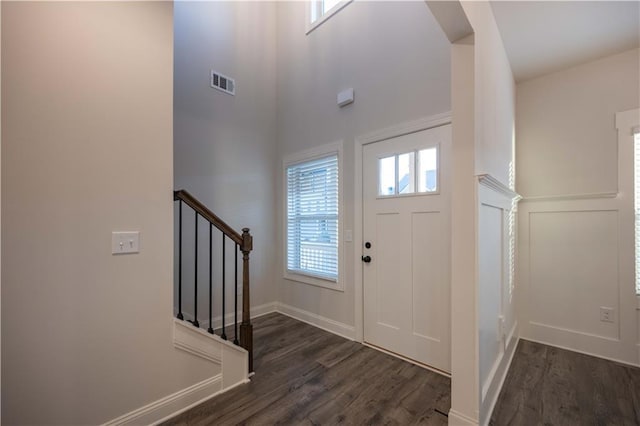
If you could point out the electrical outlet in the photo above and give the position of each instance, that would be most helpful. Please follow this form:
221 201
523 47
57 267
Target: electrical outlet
606 314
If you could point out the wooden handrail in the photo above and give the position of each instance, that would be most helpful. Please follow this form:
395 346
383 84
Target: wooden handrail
244 242
203 211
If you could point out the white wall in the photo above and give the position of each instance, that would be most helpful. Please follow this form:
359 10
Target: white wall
87 149
565 128
464 342
483 144
396 58
576 220
225 150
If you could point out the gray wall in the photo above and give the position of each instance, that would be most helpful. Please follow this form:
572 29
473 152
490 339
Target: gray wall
396 58
225 146
87 149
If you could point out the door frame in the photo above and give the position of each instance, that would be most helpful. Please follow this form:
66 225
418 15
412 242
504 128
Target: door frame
358 209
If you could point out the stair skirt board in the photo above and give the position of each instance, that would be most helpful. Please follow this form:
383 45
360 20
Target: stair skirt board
233 359
171 405
174 404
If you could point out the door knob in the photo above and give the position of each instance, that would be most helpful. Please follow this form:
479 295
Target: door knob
366 259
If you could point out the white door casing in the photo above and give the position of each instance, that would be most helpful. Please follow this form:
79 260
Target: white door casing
406 284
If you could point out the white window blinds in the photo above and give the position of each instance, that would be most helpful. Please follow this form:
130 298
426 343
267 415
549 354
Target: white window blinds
312 218
636 181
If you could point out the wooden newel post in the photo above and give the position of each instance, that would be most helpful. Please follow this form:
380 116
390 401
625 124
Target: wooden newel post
246 329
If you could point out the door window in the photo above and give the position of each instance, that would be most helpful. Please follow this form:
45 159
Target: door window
413 172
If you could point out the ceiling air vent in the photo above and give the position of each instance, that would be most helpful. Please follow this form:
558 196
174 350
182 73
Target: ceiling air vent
223 83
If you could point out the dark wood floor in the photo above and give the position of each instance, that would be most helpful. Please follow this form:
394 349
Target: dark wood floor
311 377
308 376
551 386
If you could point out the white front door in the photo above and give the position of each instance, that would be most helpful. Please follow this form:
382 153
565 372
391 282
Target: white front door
406 256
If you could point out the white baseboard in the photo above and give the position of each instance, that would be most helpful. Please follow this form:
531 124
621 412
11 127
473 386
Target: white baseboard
264 309
501 373
171 405
595 355
459 419
326 324
256 311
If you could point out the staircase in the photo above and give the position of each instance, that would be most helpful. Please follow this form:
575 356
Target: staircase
207 279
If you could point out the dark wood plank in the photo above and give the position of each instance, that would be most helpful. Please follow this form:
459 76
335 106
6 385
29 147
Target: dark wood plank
306 376
550 386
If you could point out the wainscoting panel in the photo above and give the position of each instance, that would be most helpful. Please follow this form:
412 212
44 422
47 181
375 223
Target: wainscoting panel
574 271
574 265
497 323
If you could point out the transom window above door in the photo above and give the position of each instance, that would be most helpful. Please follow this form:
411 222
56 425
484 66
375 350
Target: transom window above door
414 172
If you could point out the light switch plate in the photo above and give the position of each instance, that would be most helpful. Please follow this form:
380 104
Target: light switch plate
125 242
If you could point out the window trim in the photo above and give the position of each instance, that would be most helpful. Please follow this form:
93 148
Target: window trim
303 157
626 122
310 26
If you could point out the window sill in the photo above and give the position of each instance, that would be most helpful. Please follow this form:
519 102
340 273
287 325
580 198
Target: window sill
321 20
314 281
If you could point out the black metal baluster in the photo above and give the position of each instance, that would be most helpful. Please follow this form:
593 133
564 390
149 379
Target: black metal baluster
235 303
224 334
195 276
210 330
180 316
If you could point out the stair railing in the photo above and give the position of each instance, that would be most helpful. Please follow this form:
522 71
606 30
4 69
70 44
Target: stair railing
244 244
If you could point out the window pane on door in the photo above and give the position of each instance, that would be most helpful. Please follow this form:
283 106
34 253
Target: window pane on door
428 170
387 176
406 173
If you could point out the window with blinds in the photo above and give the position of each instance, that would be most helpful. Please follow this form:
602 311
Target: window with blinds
636 182
312 218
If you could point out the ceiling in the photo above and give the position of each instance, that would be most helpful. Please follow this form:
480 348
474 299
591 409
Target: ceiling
545 36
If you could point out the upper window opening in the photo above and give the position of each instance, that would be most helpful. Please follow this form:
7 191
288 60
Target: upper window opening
408 173
321 10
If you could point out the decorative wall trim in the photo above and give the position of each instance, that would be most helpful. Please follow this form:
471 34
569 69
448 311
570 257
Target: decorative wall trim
459 419
405 128
326 324
617 343
571 197
581 333
171 405
493 183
